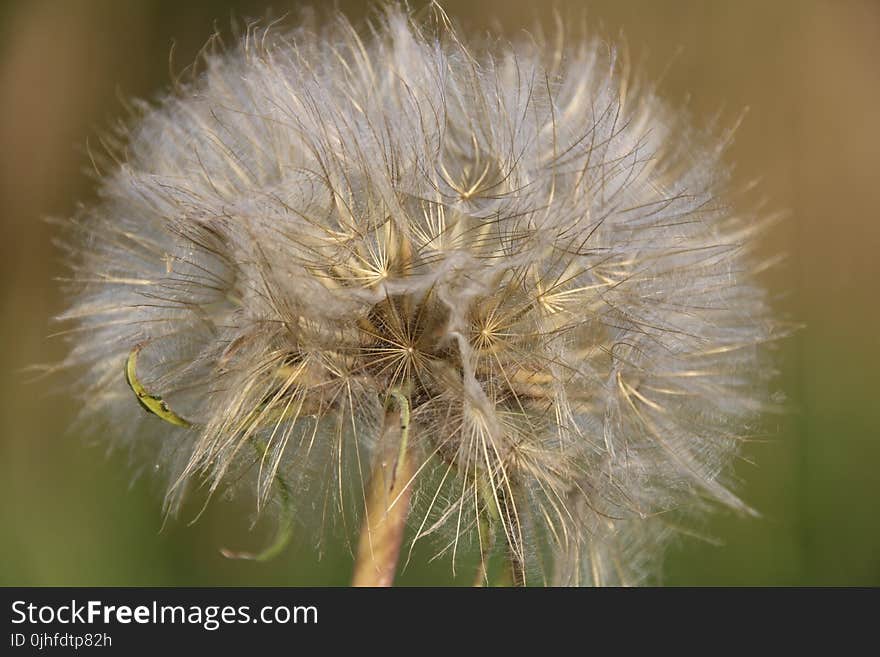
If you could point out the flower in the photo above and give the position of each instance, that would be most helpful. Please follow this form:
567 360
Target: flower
534 257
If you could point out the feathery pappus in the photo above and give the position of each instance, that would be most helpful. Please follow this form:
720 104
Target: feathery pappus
508 243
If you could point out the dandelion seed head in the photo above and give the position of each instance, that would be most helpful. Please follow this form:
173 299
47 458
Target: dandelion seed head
533 252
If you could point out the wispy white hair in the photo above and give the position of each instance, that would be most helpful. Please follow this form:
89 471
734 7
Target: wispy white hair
537 254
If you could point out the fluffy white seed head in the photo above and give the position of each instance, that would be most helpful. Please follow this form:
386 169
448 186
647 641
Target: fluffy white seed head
539 259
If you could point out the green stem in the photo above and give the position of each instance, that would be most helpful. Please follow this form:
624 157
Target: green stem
285 523
490 519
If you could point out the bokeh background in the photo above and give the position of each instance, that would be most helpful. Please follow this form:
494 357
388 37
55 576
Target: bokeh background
808 72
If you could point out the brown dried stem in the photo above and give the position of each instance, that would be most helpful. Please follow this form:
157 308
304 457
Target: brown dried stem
387 503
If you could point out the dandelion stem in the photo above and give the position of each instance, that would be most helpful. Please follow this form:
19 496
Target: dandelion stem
488 521
517 568
387 501
490 518
487 538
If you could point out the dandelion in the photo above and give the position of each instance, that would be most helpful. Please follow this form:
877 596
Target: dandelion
485 297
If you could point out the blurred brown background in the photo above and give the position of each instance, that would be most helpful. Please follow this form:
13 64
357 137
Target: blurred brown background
808 71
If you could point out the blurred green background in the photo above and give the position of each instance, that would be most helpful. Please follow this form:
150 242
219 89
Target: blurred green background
69 512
